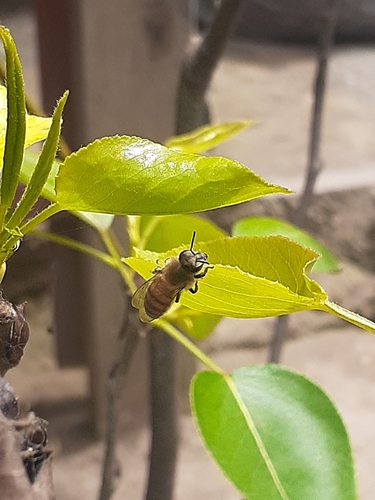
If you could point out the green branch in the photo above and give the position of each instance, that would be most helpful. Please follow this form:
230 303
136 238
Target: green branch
76 245
349 316
188 344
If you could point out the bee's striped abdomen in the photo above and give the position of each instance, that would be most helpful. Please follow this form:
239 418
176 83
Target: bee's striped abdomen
159 297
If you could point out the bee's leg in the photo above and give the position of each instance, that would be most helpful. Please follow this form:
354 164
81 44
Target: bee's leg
203 273
177 299
200 275
195 289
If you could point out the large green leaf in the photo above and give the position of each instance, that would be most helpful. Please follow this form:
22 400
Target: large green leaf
268 226
274 434
252 277
129 175
207 137
98 221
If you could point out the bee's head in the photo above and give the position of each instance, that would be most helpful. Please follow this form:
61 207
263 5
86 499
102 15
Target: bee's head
192 261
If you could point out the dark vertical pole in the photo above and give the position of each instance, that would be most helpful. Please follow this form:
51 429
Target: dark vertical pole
326 38
164 416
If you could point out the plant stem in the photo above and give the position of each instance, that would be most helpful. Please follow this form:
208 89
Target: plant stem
314 166
110 241
349 316
148 230
281 327
133 228
7 241
214 43
130 335
197 72
76 245
189 345
325 45
45 214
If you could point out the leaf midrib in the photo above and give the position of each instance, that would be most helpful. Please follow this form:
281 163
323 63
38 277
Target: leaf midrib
260 444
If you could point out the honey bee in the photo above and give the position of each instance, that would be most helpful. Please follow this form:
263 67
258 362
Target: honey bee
155 296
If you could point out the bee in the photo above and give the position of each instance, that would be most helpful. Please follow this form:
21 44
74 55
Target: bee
155 296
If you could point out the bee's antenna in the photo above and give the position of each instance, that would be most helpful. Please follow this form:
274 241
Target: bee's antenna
192 241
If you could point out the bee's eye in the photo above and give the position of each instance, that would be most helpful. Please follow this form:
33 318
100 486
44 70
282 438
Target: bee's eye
186 254
201 257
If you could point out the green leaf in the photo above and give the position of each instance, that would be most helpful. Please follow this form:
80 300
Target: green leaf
252 277
37 127
101 222
202 326
160 233
16 124
198 325
207 137
129 175
42 168
268 226
274 434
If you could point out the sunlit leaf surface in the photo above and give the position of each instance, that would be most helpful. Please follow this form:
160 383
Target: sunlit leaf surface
269 226
99 221
129 175
252 277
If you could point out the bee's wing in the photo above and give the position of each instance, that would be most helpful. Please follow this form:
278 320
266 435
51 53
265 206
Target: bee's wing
140 294
138 300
